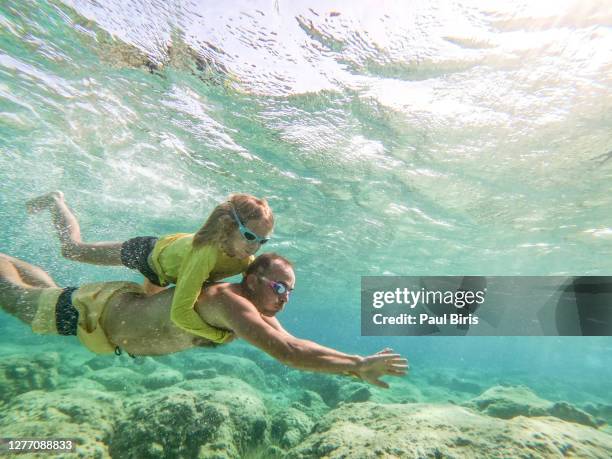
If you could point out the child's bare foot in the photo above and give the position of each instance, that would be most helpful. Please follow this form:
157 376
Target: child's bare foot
44 201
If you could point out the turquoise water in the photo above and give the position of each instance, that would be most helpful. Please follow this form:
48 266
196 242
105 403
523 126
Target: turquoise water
442 138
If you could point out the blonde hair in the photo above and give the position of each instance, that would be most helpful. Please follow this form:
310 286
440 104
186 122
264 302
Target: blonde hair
221 221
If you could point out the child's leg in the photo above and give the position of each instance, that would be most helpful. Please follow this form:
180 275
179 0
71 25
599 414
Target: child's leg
20 287
69 232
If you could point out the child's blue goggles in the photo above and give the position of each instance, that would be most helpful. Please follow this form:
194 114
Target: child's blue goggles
247 233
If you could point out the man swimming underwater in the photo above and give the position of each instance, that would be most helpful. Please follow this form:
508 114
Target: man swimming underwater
108 316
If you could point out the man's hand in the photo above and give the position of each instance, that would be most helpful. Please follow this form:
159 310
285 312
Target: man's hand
380 364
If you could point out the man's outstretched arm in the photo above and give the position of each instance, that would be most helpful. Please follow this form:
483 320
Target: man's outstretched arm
242 317
273 321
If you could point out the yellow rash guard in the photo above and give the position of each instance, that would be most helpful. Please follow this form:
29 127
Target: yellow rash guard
175 260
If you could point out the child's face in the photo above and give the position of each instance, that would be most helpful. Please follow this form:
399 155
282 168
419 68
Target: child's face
237 245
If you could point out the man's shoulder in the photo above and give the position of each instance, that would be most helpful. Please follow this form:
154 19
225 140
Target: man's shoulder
221 294
223 305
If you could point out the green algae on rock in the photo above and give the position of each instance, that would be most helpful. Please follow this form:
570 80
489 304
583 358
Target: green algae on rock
173 422
370 430
86 416
165 377
223 364
117 378
20 374
290 426
507 402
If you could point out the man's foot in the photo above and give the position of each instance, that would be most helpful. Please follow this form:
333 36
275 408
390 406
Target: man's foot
44 201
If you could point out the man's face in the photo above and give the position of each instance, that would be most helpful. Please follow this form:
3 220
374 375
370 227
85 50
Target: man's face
266 286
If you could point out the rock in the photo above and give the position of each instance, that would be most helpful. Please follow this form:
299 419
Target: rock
370 430
567 412
101 361
146 365
162 378
201 374
402 392
328 387
226 365
508 402
220 383
139 364
355 392
311 403
268 364
47 360
290 426
275 384
601 410
82 384
270 452
85 416
173 422
449 380
71 369
116 378
462 385
19 374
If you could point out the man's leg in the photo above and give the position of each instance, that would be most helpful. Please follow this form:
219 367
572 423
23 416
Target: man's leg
20 286
69 232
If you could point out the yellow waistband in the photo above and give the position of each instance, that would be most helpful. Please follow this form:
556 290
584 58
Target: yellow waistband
44 321
91 301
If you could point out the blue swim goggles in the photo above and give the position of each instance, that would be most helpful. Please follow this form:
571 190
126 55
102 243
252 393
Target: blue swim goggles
247 233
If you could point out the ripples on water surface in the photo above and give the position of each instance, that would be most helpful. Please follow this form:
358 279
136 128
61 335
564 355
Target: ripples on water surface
411 138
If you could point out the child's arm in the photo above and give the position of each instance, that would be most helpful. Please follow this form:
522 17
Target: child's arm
194 271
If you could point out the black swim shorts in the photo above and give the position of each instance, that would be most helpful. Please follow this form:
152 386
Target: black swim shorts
66 315
135 254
